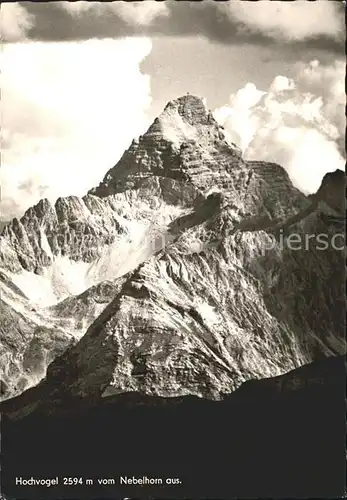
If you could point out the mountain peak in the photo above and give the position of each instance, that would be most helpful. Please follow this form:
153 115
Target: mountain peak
184 141
166 270
332 191
191 109
183 119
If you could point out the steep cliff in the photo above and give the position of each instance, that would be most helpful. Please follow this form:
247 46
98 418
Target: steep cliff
176 268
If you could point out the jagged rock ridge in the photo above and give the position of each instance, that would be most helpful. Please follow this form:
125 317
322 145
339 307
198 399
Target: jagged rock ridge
201 303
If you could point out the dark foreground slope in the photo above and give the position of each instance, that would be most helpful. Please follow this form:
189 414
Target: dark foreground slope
272 438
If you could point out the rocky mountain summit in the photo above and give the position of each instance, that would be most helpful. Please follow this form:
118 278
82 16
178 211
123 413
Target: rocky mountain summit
172 277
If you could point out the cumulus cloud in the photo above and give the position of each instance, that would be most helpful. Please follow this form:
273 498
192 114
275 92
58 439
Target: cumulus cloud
138 13
238 117
68 112
318 24
297 20
15 22
298 123
78 7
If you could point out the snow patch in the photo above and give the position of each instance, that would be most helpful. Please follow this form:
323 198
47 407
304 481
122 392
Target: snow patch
44 244
63 278
175 129
66 277
207 312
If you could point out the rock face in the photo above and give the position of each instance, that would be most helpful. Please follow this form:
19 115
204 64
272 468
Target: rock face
172 277
32 336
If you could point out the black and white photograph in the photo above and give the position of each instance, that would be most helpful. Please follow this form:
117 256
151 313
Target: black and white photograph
172 250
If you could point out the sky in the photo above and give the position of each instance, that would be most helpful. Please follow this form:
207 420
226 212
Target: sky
80 80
